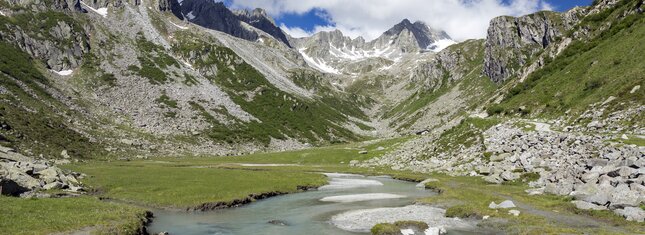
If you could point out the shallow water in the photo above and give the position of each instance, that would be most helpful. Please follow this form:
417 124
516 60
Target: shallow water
303 213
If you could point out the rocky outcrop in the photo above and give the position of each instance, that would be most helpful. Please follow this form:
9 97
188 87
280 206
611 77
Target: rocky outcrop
215 15
259 19
448 65
512 42
60 45
25 177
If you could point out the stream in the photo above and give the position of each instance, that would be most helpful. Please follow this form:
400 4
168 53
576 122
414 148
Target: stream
308 212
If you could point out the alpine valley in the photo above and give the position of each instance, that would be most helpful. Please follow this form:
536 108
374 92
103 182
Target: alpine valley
116 113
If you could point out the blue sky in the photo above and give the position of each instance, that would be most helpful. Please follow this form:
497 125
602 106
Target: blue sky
462 19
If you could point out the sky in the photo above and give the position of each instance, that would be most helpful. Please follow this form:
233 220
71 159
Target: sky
461 19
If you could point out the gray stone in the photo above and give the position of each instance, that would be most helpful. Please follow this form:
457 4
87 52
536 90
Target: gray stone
504 205
632 214
587 205
53 185
514 212
362 152
510 176
500 157
493 178
622 196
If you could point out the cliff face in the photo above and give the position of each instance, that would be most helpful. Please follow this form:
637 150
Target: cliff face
512 42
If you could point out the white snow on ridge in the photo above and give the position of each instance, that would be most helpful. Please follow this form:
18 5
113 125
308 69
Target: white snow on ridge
103 11
320 65
441 44
64 72
2 13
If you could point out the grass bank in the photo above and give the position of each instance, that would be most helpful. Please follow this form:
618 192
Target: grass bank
52 215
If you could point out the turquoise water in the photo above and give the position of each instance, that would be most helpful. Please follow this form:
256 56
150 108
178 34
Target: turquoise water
303 213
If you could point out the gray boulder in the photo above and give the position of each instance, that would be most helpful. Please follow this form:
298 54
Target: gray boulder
622 196
587 205
632 214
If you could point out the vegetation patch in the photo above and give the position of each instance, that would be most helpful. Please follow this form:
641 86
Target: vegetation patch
396 227
55 215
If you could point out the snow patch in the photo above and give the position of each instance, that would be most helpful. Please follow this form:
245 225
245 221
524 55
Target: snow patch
2 13
361 197
103 11
441 44
64 72
340 183
178 26
317 63
190 16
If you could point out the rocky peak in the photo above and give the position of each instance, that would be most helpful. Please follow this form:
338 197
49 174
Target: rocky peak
216 16
416 33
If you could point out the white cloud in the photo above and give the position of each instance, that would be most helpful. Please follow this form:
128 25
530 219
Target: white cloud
462 19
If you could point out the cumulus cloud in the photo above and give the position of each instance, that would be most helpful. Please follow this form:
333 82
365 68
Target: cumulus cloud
461 19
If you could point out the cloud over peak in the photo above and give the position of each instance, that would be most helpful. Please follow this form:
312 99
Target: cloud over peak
461 19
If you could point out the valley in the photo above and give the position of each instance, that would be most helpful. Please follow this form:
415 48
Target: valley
190 117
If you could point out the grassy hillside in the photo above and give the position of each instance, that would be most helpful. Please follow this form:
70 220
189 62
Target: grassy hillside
280 114
588 71
31 119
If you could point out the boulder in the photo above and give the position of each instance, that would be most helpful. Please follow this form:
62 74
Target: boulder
362 152
500 157
560 188
510 176
504 205
514 212
11 188
493 178
587 205
623 196
53 185
632 214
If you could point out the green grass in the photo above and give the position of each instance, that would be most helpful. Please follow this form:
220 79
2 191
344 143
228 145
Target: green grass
396 227
179 186
588 71
189 182
38 129
46 216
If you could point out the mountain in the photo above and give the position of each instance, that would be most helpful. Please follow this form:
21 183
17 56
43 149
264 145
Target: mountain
552 101
236 83
216 16
332 52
